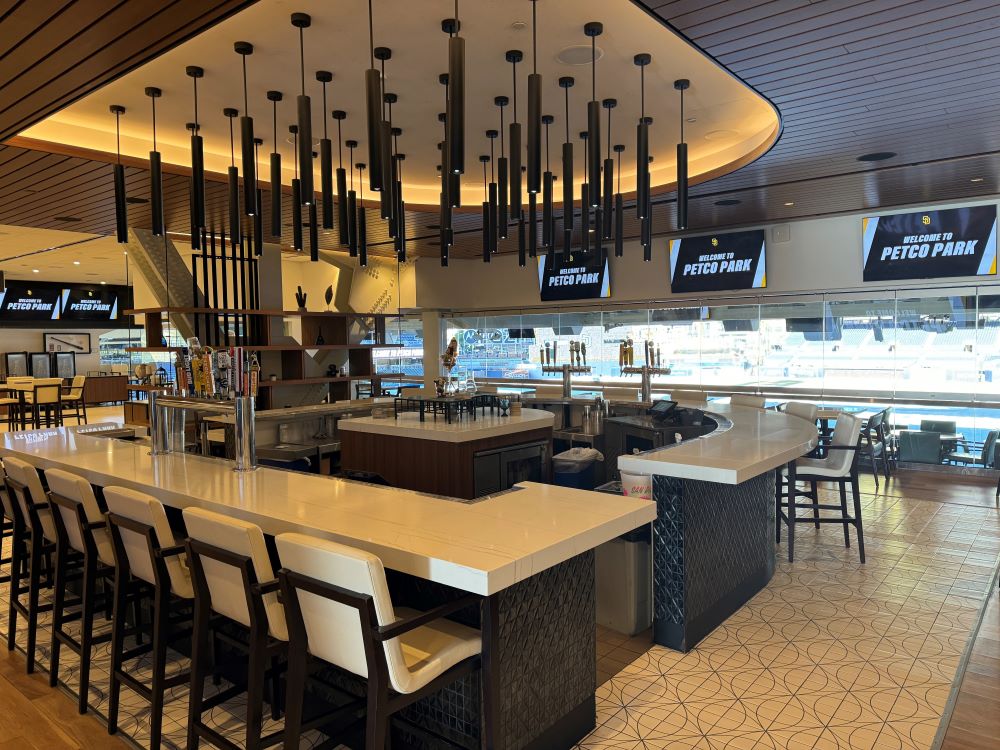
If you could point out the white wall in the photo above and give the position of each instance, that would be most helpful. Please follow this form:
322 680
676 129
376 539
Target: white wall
819 255
31 340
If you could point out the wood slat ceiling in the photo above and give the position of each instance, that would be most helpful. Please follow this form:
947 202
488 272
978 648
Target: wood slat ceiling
52 52
917 77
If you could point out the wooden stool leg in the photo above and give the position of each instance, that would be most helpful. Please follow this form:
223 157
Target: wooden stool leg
117 648
843 512
792 496
34 584
814 488
16 563
160 625
255 688
57 614
199 654
295 683
857 517
86 633
777 506
376 720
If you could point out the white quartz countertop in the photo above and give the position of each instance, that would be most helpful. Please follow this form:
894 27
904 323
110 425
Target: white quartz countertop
757 442
481 547
461 430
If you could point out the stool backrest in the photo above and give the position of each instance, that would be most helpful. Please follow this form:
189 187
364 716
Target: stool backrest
77 490
139 527
47 393
945 426
229 556
38 520
920 446
5 500
20 381
76 389
747 399
988 456
803 410
846 433
339 630
688 397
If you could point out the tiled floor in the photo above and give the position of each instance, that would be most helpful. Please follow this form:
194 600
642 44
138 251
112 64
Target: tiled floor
832 654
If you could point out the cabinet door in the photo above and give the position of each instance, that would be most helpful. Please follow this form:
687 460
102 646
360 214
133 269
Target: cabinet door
486 474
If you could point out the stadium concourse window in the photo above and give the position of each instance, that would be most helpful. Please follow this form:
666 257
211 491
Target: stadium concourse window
405 355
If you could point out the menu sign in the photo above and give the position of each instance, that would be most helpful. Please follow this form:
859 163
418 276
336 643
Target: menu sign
23 301
81 303
717 262
578 275
931 244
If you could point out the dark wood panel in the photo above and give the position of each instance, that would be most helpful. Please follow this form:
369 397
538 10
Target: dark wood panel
45 64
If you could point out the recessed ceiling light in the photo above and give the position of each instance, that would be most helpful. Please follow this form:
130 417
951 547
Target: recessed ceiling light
519 26
578 54
727 202
877 156
692 119
976 179
34 270
76 262
789 203
104 282
67 219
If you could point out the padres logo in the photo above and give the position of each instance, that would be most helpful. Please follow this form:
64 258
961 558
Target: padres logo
925 219
715 242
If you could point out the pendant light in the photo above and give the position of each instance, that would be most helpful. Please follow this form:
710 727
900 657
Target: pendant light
313 224
514 56
192 127
373 107
326 157
619 212
487 251
494 213
121 205
534 112
392 191
362 220
384 141
609 177
566 82
456 98
642 139
276 218
155 171
585 208
244 49
400 203
532 225
352 206
646 227
451 180
594 30
234 181
503 192
548 217
681 85
296 194
342 224
197 163
303 21
258 217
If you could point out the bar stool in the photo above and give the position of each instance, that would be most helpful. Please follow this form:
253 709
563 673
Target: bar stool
34 540
6 522
747 399
72 404
339 610
83 536
840 465
148 563
45 403
233 577
875 445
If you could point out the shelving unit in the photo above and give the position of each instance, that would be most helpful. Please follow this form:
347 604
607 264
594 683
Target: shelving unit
347 341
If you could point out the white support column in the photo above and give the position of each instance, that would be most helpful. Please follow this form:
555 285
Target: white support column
432 346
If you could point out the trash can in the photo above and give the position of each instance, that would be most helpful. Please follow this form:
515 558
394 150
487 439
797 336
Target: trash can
575 467
625 577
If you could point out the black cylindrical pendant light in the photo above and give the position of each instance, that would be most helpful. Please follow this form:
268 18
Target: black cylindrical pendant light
532 225
594 30
494 215
400 203
197 157
276 219
155 172
296 194
258 219
313 233
243 49
326 158
121 205
619 211
514 56
503 191
362 220
373 107
534 111
442 232
385 150
195 230
682 84
521 242
234 181
548 217
302 21
342 223
647 224
352 206
566 82
609 177
586 209
642 140
456 97
487 250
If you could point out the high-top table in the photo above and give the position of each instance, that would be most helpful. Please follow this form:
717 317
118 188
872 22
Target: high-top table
528 552
713 538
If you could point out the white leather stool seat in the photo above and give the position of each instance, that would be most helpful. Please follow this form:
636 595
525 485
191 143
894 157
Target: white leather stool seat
225 582
433 649
24 473
76 488
817 467
146 509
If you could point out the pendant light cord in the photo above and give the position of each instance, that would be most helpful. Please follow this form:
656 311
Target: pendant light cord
513 68
503 148
548 167
534 36
153 100
493 173
567 113
274 125
642 92
593 67
485 191
371 45
295 145
340 145
325 134
246 100
195 79
609 132
352 168
232 146
619 172
302 57
682 115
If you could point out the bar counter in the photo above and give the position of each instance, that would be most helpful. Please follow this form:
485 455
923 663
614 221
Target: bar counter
713 538
528 552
